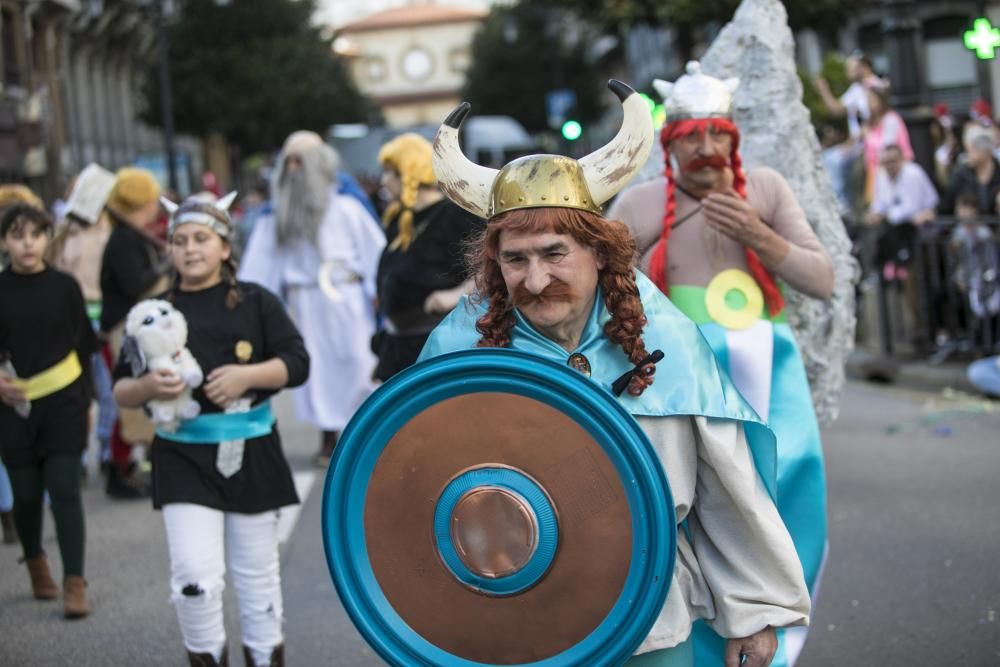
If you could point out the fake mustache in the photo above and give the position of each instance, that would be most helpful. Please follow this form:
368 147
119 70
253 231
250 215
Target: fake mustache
714 161
557 290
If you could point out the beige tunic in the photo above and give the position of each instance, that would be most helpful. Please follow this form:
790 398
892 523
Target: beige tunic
806 268
740 571
78 250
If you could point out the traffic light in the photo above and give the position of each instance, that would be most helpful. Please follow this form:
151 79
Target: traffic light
571 130
658 111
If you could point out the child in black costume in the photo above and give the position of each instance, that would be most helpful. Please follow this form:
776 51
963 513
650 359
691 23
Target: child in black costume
220 497
46 341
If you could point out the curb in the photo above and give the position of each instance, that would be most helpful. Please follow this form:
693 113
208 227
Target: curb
918 375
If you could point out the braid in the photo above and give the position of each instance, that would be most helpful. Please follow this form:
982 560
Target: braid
233 296
658 262
621 296
175 283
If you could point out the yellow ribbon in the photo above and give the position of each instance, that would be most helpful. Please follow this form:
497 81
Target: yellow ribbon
53 379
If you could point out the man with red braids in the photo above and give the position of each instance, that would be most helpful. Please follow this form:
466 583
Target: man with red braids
715 239
555 278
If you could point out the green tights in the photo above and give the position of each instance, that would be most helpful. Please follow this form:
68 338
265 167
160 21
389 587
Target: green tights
60 476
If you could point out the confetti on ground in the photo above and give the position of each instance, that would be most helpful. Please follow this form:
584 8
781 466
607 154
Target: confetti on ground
950 405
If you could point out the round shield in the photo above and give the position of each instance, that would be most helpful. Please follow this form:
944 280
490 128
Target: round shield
491 507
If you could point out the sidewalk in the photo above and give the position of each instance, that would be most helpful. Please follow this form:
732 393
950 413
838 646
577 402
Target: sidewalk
909 373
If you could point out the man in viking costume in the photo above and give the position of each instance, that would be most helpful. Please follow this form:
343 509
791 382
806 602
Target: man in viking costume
555 278
714 239
319 251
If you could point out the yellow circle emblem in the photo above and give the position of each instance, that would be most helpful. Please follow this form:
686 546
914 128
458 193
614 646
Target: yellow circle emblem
734 300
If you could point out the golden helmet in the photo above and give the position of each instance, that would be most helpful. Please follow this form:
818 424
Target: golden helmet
545 180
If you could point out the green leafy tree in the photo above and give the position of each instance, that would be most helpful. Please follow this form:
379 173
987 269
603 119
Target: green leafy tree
519 55
253 72
833 71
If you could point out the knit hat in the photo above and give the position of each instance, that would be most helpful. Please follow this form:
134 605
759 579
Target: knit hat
133 189
15 193
410 156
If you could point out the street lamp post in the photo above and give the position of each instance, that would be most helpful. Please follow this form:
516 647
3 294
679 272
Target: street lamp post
166 96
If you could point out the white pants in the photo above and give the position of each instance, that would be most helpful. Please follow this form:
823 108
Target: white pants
199 539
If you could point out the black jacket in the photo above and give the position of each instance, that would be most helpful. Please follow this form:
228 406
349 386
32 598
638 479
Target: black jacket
965 179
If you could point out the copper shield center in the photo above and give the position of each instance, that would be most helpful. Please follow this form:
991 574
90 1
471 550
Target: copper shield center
494 532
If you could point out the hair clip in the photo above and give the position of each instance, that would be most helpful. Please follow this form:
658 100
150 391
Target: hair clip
622 383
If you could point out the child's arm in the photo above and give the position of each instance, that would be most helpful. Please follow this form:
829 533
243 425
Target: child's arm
286 360
159 384
227 383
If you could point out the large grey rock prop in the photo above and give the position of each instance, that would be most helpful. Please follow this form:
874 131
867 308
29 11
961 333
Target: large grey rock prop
757 47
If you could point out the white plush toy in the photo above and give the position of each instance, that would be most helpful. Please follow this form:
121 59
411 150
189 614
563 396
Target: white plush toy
155 339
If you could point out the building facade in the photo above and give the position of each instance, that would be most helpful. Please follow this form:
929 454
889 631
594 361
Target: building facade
953 75
411 61
72 76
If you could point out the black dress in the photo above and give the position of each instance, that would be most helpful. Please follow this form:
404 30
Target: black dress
185 473
434 261
43 318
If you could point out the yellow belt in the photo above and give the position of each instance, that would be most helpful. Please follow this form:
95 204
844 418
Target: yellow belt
53 379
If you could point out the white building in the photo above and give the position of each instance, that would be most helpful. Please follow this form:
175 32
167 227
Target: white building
411 60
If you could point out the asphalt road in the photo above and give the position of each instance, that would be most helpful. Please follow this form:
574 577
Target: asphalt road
912 577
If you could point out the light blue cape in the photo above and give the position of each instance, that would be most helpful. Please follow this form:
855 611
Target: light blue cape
689 380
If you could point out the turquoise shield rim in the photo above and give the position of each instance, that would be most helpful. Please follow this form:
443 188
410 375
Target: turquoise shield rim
654 534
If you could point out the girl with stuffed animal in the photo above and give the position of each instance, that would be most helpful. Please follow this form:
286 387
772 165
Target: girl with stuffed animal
220 477
45 343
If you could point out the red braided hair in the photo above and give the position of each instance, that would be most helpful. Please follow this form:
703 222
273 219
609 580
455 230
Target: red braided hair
658 262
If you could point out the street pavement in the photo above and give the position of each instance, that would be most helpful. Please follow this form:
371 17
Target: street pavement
133 622
912 577
914 491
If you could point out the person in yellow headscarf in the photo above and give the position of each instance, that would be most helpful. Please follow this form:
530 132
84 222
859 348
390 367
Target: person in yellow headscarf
421 275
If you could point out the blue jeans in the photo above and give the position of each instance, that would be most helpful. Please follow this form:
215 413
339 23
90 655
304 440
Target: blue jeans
6 493
681 655
107 409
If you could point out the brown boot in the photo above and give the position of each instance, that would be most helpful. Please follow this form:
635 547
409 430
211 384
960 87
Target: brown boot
9 529
277 657
42 585
327 443
75 597
208 660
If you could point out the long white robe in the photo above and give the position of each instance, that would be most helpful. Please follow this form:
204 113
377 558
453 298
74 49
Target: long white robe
739 570
338 330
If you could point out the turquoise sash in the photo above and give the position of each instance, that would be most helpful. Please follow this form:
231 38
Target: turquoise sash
216 427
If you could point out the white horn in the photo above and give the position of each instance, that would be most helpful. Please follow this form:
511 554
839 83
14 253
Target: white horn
608 169
168 205
465 182
227 201
663 88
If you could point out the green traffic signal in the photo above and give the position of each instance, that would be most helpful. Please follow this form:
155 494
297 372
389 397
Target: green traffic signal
571 130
